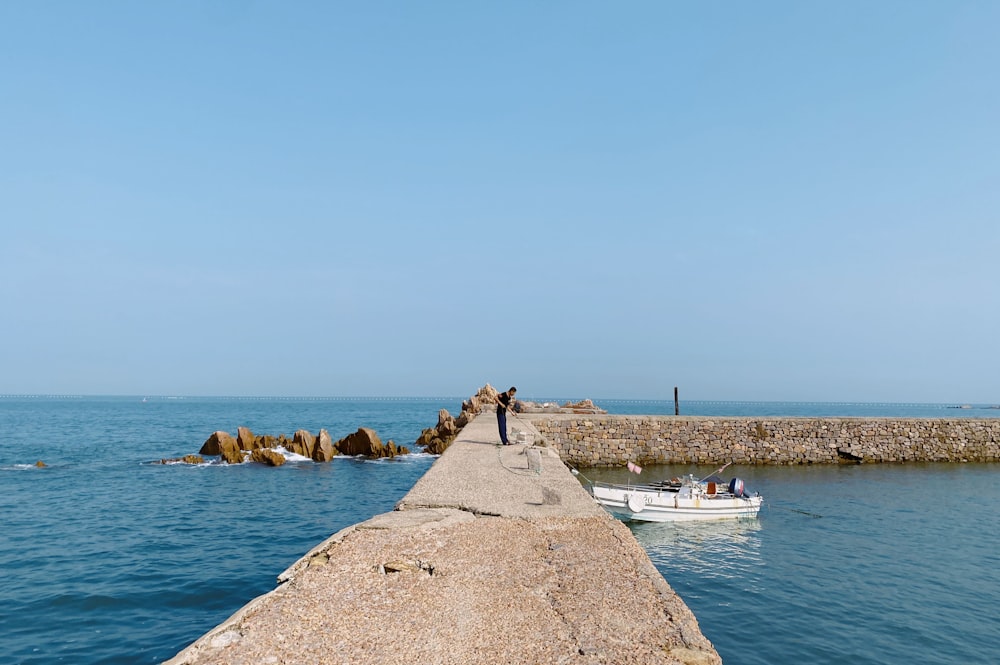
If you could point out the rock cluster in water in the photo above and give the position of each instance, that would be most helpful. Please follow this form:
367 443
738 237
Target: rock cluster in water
435 440
320 448
187 459
263 449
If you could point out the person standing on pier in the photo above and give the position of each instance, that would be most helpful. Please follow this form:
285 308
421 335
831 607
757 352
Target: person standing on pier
504 401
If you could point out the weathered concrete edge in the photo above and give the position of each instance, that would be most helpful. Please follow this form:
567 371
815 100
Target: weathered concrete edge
413 519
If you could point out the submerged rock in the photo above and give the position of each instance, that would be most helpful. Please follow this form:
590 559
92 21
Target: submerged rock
267 456
187 459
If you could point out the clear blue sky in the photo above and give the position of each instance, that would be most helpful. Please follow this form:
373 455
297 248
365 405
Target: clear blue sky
748 200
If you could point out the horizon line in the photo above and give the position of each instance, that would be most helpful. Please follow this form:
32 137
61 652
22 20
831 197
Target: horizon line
596 400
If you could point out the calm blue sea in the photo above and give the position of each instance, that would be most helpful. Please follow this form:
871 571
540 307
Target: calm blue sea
107 558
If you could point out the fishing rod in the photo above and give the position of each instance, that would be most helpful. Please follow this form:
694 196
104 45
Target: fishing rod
719 470
510 469
518 419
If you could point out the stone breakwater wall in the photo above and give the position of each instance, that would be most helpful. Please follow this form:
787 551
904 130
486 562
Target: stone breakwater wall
609 440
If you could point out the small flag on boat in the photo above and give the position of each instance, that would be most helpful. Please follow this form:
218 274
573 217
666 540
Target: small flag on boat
634 468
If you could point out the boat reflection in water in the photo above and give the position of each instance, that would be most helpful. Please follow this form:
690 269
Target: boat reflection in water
704 550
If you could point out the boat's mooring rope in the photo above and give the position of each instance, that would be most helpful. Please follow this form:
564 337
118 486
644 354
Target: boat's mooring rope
576 472
792 510
516 472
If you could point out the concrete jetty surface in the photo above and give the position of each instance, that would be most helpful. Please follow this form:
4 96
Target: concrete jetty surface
497 555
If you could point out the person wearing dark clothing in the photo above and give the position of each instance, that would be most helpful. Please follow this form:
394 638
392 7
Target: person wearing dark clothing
504 401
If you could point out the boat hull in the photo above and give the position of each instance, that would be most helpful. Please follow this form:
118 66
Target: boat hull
652 505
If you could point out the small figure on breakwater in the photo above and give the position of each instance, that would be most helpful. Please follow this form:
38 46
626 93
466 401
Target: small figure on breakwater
504 401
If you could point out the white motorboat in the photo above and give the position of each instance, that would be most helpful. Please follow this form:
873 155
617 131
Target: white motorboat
679 499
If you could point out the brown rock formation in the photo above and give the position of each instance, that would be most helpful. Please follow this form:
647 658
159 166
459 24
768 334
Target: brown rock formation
267 456
187 459
363 442
366 442
583 406
321 448
391 449
446 426
435 440
245 438
213 445
264 441
323 451
303 443
230 451
483 400
436 445
426 437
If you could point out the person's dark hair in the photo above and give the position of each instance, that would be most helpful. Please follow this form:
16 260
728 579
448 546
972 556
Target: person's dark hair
512 389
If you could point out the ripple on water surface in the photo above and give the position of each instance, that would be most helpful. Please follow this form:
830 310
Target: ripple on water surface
108 559
859 564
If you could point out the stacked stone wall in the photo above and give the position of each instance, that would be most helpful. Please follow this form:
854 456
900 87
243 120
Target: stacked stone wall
609 440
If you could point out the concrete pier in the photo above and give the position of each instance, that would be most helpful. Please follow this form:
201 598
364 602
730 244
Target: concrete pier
497 555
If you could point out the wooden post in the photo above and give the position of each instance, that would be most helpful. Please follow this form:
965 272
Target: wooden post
677 404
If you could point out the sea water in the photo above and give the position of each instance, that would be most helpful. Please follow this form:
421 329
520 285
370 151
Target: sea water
859 564
108 557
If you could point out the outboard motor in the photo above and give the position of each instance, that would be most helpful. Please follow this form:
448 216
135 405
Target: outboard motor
737 488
